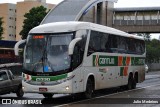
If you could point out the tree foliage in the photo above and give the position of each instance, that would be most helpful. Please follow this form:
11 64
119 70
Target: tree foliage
33 19
1 28
146 36
153 51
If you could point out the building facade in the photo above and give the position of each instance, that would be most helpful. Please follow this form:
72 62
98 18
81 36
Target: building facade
8 13
13 16
24 7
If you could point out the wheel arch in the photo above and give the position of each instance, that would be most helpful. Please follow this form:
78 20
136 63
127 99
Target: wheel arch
130 75
92 77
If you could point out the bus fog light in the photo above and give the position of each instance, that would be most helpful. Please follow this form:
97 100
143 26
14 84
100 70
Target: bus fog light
67 88
23 88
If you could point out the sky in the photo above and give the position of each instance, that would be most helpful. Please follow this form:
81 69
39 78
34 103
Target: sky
119 4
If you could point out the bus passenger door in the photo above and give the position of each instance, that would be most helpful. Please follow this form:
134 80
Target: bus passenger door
77 60
78 57
78 80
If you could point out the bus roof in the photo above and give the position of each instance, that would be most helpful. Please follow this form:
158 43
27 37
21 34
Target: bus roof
70 26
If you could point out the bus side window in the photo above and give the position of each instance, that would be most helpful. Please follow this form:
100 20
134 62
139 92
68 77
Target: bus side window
122 45
76 56
131 46
92 43
104 47
112 41
98 42
79 51
140 47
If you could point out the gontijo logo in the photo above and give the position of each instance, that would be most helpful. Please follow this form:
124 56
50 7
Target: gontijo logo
100 60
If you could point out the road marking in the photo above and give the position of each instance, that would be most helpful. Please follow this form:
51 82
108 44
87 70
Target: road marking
107 95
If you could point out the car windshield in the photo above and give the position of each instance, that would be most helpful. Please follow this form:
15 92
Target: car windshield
47 53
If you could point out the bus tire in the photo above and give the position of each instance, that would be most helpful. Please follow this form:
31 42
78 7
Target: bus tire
134 83
89 89
130 83
48 95
20 92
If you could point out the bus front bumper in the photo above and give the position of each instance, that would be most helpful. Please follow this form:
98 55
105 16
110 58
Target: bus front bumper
63 88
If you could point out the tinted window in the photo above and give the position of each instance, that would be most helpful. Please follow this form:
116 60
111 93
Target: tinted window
98 42
10 75
16 70
79 49
122 44
102 42
131 46
112 43
3 76
135 46
140 46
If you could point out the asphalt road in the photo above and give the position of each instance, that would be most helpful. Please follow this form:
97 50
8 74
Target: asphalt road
115 97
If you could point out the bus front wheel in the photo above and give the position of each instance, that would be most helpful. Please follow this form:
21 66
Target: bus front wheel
47 95
20 92
89 89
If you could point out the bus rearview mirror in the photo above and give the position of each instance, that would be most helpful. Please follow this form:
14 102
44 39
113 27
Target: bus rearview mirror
72 45
16 47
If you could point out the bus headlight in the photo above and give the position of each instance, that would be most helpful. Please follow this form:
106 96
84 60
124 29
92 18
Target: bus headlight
67 87
23 88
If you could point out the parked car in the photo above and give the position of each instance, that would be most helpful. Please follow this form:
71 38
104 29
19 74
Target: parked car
10 83
146 68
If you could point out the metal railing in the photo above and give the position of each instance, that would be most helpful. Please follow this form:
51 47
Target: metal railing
136 22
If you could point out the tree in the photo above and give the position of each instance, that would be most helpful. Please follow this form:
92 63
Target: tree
33 19
153 50
146 36
1 28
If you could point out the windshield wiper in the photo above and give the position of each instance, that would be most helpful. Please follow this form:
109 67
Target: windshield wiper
45 58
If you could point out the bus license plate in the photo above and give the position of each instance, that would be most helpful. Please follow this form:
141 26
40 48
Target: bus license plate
43 89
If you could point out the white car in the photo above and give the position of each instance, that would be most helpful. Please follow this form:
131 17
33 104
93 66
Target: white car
146 68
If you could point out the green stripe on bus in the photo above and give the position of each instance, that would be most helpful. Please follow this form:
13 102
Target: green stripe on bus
135 61
124 61
52 78
121 71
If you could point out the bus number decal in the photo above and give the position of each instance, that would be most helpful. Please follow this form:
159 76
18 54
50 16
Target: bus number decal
43 79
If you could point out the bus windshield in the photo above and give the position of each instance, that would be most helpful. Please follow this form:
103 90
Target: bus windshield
47 53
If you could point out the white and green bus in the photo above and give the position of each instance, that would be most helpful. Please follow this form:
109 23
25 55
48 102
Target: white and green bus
75 57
